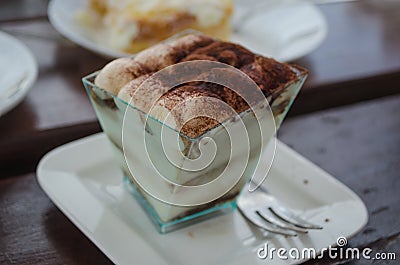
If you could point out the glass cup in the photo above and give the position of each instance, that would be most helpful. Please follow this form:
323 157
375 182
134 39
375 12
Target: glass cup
173 195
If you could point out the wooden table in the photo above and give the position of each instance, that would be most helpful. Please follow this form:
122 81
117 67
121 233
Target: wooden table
358 143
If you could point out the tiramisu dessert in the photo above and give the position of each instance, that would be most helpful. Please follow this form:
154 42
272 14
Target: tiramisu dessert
115 88
133 25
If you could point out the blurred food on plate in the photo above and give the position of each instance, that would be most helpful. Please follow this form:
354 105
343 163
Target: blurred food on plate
133 25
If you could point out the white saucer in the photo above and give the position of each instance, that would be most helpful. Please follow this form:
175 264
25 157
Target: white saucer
83 180
283 31
18 70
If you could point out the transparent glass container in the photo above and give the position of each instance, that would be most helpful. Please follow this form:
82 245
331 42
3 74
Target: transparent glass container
134 163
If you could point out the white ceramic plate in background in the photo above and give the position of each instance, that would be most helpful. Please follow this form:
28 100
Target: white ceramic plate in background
62 14
84 181
18 72
285 31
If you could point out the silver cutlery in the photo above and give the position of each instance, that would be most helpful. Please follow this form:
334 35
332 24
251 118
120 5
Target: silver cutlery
266 212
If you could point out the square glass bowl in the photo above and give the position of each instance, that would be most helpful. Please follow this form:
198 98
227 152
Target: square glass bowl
182 196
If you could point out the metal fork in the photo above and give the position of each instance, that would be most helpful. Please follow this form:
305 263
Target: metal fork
265 211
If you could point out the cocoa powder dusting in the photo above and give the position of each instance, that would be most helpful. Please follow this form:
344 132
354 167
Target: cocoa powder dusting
269 75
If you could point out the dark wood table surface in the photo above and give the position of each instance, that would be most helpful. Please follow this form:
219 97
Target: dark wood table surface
345 120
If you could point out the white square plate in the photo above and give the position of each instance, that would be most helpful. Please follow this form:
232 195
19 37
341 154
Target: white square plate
85 182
